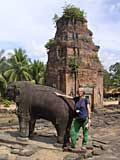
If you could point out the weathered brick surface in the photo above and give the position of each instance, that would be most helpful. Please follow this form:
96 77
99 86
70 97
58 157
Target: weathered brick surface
74 38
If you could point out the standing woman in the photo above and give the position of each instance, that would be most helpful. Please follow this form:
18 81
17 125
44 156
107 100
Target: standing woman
82 118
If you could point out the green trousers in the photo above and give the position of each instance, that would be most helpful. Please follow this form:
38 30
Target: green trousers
76 125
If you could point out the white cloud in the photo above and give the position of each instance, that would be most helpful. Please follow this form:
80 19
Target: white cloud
7 53
108 58
108 35
37 51
36 47
115 7
112 8
105 27
29 22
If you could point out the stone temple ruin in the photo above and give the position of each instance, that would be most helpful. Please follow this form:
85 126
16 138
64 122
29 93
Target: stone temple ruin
74 39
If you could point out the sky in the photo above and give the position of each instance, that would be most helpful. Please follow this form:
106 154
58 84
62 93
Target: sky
28 24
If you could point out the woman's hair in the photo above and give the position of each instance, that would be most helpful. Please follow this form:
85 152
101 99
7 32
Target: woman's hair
81 89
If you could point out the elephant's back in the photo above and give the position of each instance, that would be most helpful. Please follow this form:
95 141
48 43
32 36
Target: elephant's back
47 96
44 98
49 105
44 88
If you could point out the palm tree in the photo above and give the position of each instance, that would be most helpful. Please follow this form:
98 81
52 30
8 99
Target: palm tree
3 82
18 67
37 71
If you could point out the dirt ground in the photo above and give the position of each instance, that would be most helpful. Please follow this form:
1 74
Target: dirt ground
106 103
104 138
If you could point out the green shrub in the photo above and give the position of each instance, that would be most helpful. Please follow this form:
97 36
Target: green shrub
52 42
55 18
72 12
6 103
85 39
73 64
95 58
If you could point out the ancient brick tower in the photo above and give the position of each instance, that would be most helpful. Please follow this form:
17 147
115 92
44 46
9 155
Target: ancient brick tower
73 38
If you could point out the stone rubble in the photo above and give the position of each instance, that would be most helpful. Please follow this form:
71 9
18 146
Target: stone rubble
104 141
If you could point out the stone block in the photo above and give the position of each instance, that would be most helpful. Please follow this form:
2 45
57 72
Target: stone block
97 152
3 156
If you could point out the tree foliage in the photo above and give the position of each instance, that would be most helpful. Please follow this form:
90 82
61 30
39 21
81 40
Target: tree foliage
3 67
115 69
112 77
19 67
37 69
115 74
106 79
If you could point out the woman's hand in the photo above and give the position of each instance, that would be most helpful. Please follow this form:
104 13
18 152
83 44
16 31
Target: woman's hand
58 94
89 122
63 95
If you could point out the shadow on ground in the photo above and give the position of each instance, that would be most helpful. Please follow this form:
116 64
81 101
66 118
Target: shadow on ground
48 139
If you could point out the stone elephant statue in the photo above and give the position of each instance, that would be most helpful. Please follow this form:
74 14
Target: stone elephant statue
37 101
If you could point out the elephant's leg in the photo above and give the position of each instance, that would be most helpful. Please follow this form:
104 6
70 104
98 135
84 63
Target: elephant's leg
67 135
23 127
31 126
61 131
67 138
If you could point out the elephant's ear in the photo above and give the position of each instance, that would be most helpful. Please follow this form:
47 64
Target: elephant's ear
17 94
17 91
14 86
